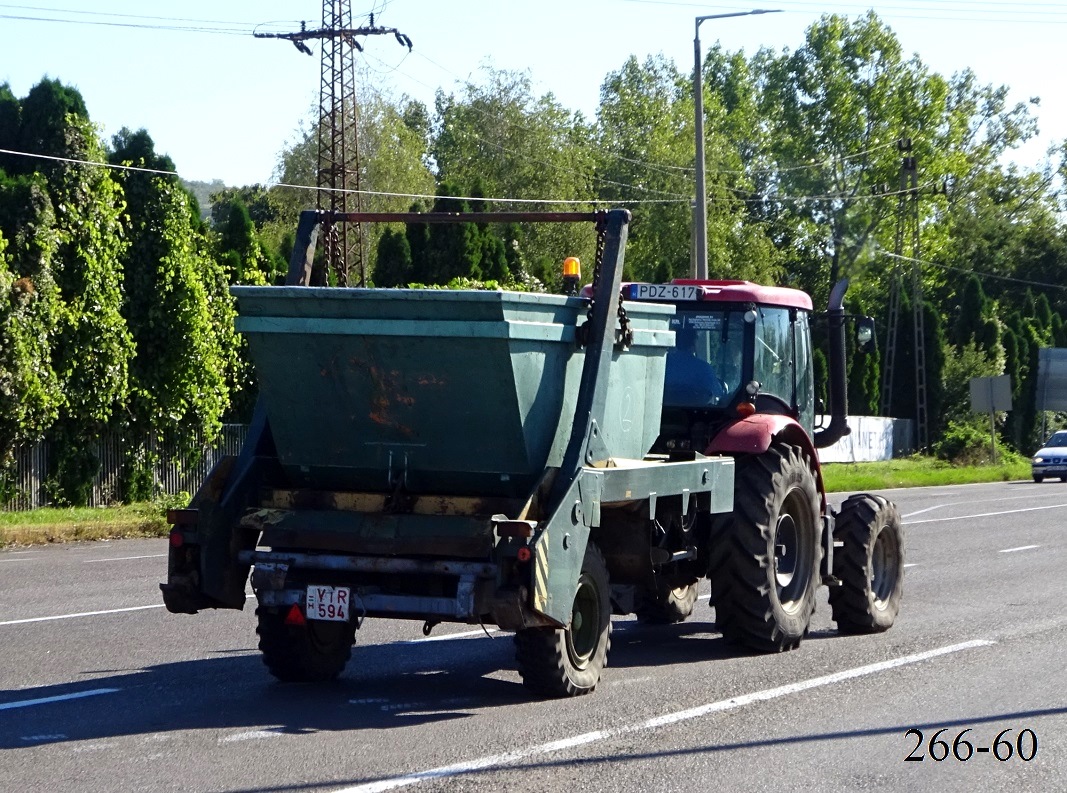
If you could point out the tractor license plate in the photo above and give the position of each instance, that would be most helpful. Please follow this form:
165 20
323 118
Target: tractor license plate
328 603
667 292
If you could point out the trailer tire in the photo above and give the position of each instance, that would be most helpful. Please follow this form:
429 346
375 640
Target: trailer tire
870 565
665 605
315 652
765 556
568 662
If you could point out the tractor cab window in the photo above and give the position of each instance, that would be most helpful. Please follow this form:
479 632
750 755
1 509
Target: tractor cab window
805 373
774 356
782 361
704 367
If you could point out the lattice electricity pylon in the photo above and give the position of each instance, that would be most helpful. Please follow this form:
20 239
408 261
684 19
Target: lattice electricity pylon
338 154
907 215
338 162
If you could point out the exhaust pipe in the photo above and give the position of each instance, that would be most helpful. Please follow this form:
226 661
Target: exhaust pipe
838 427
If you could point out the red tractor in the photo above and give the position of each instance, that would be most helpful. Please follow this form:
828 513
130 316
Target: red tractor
740 382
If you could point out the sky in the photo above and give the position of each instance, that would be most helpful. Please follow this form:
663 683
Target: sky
224 104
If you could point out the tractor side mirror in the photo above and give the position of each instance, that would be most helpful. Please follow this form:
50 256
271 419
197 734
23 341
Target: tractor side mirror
865 334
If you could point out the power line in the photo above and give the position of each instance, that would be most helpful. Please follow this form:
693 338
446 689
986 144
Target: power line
922 12
671 199
171 28
89 162
978 273
118 15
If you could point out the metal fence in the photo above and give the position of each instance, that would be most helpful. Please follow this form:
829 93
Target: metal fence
170 475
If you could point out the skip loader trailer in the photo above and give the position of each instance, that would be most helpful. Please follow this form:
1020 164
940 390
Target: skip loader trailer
535 462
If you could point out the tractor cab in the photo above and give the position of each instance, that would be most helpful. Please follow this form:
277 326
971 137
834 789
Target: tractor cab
740 349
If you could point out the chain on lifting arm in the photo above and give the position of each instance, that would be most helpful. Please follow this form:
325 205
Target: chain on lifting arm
627 334
331 254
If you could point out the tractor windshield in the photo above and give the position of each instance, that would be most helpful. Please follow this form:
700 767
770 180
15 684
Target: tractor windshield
711 360
704 368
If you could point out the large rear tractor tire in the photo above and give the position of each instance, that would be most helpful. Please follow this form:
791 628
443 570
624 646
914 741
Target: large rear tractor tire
568 662
666 605
765 556
314 652
870 565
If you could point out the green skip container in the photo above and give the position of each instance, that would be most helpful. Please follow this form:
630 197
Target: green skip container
449 392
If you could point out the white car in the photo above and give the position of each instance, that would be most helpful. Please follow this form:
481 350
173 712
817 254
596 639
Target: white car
1051 459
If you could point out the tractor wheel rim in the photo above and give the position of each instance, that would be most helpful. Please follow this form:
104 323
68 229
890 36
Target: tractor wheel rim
884 567
785 553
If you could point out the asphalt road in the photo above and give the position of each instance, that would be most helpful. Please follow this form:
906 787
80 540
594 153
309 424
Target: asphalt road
102 690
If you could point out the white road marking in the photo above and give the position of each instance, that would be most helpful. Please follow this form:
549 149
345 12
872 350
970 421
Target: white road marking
704 597
430 705
254 735
987 514
124 558
30 559
81 614
443 637
508 758
910 564
921 511
997 500
28 703
1020 548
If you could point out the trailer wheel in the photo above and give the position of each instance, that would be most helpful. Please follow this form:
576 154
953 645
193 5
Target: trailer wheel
764 557
311 653
568 662
665 605
870 565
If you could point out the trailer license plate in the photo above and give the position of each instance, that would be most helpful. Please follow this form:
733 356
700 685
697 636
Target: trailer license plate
328 603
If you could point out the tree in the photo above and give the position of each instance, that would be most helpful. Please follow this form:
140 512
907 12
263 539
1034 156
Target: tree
43 123
453 250
393 267
29 389
178 376
518 146
644 150
975 319
93 346
10 128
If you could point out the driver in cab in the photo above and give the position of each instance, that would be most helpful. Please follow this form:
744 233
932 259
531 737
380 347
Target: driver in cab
690 380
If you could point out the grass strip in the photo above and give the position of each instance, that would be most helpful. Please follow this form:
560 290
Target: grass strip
50 525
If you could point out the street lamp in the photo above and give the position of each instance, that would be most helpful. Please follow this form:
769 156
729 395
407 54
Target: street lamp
700 208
